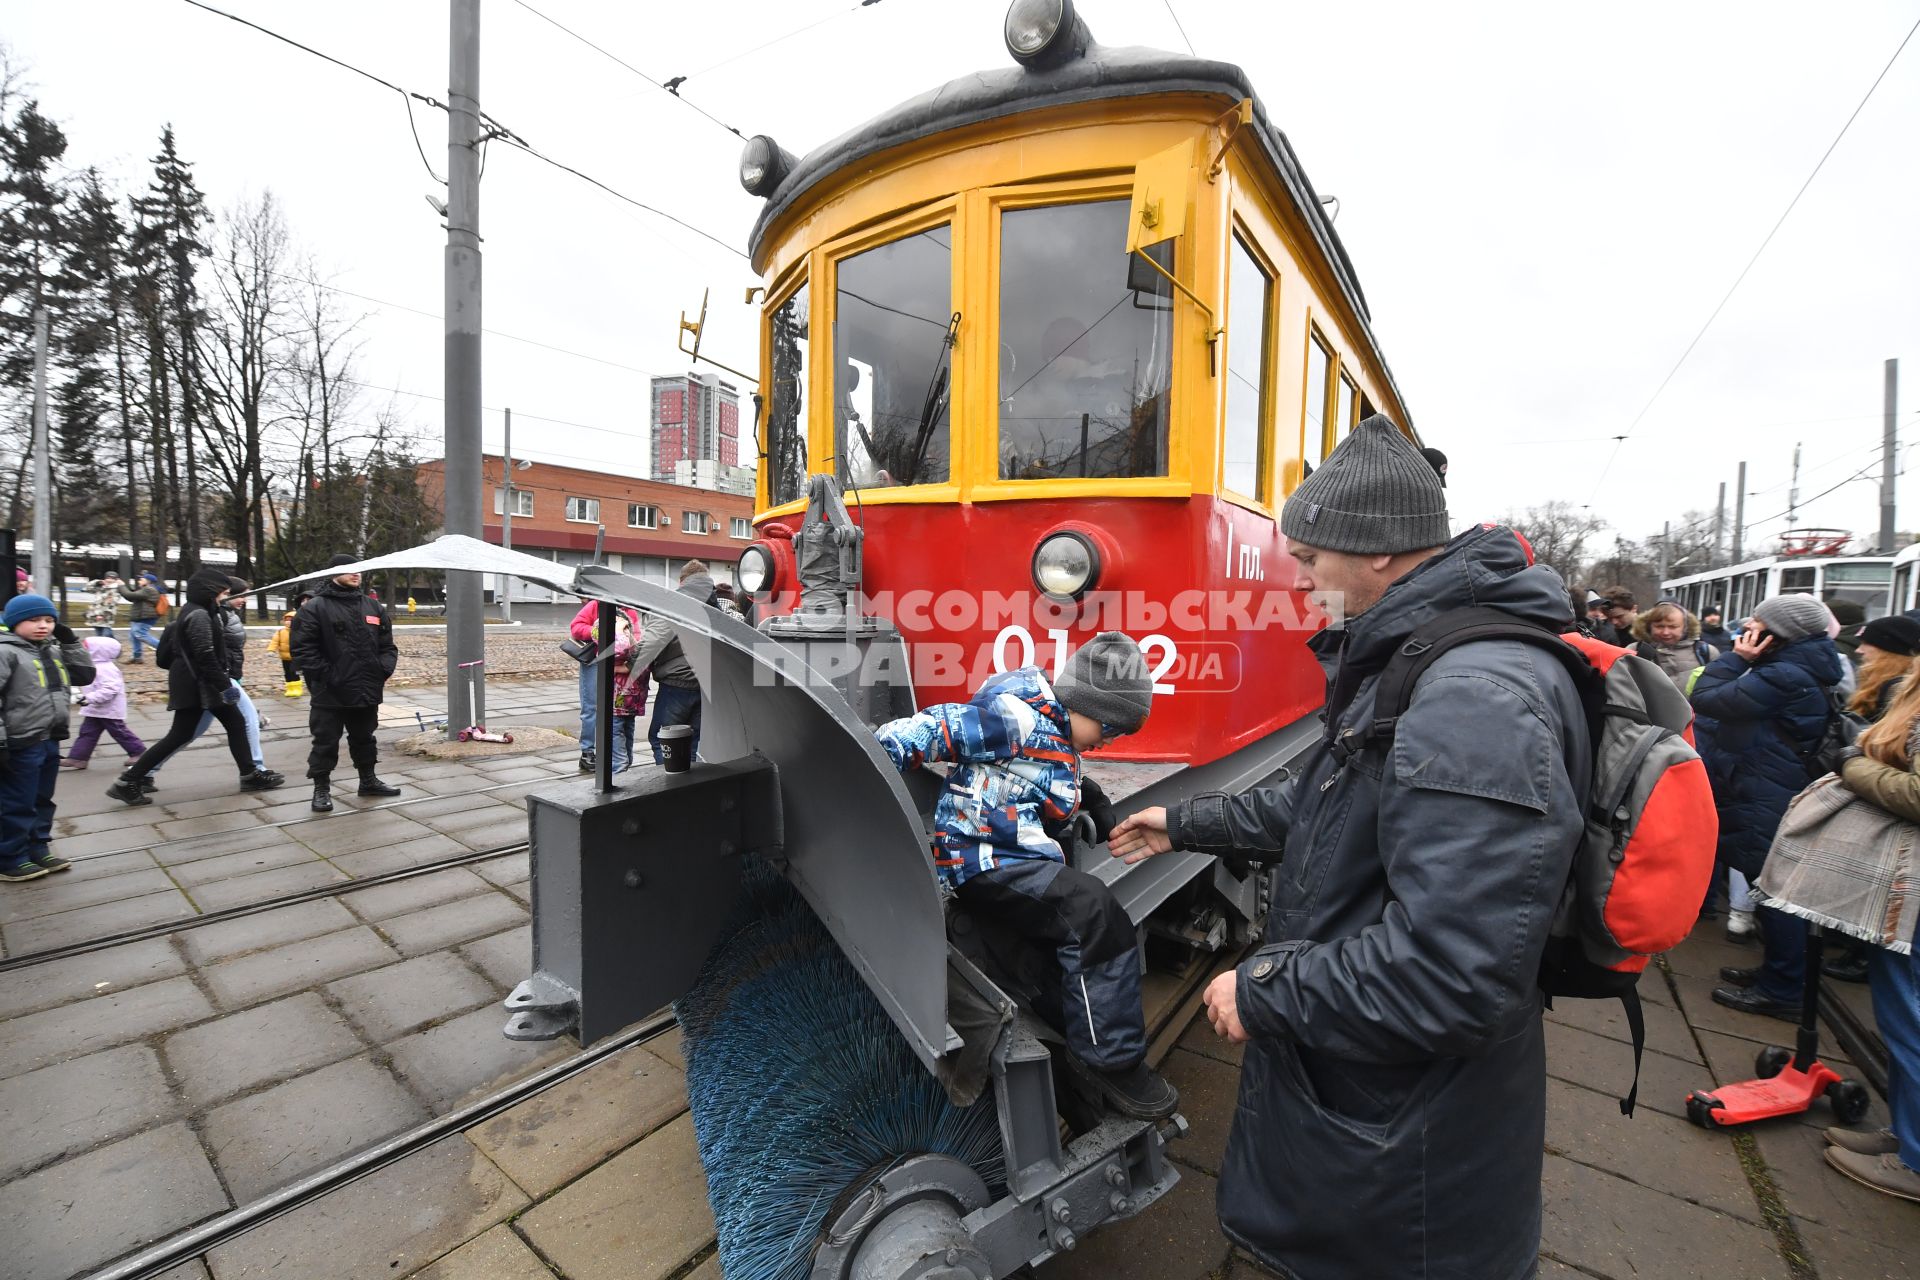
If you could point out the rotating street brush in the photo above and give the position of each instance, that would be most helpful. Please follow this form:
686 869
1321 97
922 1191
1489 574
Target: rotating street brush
802 1090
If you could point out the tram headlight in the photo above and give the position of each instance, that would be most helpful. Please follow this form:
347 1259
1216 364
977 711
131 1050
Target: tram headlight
1045 33
755 570
763 163
1066 565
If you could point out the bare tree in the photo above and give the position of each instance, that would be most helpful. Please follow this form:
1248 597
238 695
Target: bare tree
1561 534
318 399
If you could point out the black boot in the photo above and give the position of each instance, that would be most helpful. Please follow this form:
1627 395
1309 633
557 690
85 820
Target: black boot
1138 1092
261 780
322 796
1740 975
128 791
372 786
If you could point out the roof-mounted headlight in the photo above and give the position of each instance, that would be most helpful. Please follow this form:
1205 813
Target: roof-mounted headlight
1045 33
1066 565
763 163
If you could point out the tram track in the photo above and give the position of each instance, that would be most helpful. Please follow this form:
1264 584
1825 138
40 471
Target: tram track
196 1242
165 927
1165 1024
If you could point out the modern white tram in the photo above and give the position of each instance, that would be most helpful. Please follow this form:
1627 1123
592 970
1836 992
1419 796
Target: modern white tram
1904 595
1864 580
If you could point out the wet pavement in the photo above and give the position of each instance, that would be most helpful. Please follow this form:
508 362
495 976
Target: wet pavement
151 1085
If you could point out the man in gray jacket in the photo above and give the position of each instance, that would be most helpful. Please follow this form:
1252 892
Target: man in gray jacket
1393 1103
676 698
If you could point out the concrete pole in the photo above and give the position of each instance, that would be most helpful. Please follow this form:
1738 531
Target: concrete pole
1666 536
1719 526
42 465
506 520
466 639
1887 450
1739 512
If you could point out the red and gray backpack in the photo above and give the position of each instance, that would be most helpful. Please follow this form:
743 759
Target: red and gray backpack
1646 855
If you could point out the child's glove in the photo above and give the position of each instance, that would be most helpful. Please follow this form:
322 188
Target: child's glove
1095 805
64 634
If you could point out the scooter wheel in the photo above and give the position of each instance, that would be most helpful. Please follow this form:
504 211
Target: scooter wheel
1700 1111
466 735
1850 1100
509 739
1771 1061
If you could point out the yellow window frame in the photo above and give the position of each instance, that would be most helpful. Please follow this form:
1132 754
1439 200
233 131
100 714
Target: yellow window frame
1316 336
1238 232
782 293
953 213
985 482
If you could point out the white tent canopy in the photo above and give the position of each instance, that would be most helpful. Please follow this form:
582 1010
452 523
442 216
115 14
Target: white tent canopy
455 551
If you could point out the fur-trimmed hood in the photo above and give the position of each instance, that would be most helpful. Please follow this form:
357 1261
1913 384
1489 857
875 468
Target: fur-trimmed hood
1643 626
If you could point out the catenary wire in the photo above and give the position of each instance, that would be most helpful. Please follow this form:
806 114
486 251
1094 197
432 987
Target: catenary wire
618 60
1731 289
732 58
406 99
1179 26
621 195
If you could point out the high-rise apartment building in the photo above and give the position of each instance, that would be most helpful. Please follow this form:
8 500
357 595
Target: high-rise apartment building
696 420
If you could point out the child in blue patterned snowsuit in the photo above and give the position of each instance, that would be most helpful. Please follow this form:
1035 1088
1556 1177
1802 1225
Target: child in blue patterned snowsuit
999 825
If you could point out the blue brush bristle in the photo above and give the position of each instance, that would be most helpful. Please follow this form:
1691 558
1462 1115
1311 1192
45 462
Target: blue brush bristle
802 1090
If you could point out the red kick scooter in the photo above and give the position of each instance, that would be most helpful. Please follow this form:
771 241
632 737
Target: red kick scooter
1789 1079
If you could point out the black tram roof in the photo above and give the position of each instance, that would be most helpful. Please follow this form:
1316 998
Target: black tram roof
1101 74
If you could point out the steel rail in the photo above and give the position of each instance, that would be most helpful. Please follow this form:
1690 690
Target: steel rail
165 927
195 1242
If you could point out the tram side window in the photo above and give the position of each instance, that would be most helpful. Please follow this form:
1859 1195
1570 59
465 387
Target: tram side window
786 459
1086 347
1319 371
1343 418
1243 451
1801 579
893 363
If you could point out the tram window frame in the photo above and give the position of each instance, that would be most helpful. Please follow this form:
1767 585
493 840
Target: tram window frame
1243 247
1317 344
1346 405
801 422
1801 577
945 217
1169 460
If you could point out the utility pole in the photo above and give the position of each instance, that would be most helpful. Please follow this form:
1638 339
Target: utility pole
1793 494
1666 540
1739 512
506 521
466 633
1887 451
1719 525
42 465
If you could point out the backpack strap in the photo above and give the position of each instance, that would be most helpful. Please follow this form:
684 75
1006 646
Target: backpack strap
1393 694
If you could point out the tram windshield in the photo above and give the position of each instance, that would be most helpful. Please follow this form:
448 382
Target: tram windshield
893 366
1086 343
1861 584
786 459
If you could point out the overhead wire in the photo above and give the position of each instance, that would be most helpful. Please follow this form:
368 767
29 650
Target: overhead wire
732 58
1179 26
406 98
621 195
1731 289
672 87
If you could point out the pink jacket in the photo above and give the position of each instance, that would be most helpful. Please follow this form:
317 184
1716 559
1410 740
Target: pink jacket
106 697
630 691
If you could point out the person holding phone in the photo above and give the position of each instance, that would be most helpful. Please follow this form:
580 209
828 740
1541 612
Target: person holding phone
1758 709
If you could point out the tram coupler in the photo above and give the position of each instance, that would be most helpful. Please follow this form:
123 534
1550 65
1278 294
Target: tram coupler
631 890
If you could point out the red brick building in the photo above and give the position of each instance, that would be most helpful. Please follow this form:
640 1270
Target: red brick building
651 528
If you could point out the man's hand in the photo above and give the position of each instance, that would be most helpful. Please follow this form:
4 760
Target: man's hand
1141 835
1223 1008
230 696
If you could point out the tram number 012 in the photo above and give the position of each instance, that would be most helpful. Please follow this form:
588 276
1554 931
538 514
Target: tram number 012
1162 653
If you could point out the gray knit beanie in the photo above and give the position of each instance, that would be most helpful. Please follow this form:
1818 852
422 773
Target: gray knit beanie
1107 680
1374 495
1793 618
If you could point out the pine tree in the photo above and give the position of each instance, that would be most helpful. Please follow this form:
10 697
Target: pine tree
94 425
168 245
33 234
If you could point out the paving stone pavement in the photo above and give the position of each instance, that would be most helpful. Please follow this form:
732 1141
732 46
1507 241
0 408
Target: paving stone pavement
171 1078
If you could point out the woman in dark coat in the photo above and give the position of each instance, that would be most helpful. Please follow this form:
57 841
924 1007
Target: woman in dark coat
202 666
1759 708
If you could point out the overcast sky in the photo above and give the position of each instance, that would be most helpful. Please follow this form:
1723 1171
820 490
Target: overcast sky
1544 202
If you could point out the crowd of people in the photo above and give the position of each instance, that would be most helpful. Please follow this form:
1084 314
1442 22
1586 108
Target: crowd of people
1766 696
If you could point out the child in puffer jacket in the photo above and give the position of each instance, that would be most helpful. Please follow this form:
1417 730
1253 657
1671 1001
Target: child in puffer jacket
998 828
103 706
281 647
40 660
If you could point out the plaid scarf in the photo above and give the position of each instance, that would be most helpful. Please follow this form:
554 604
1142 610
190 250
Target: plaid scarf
1841 861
